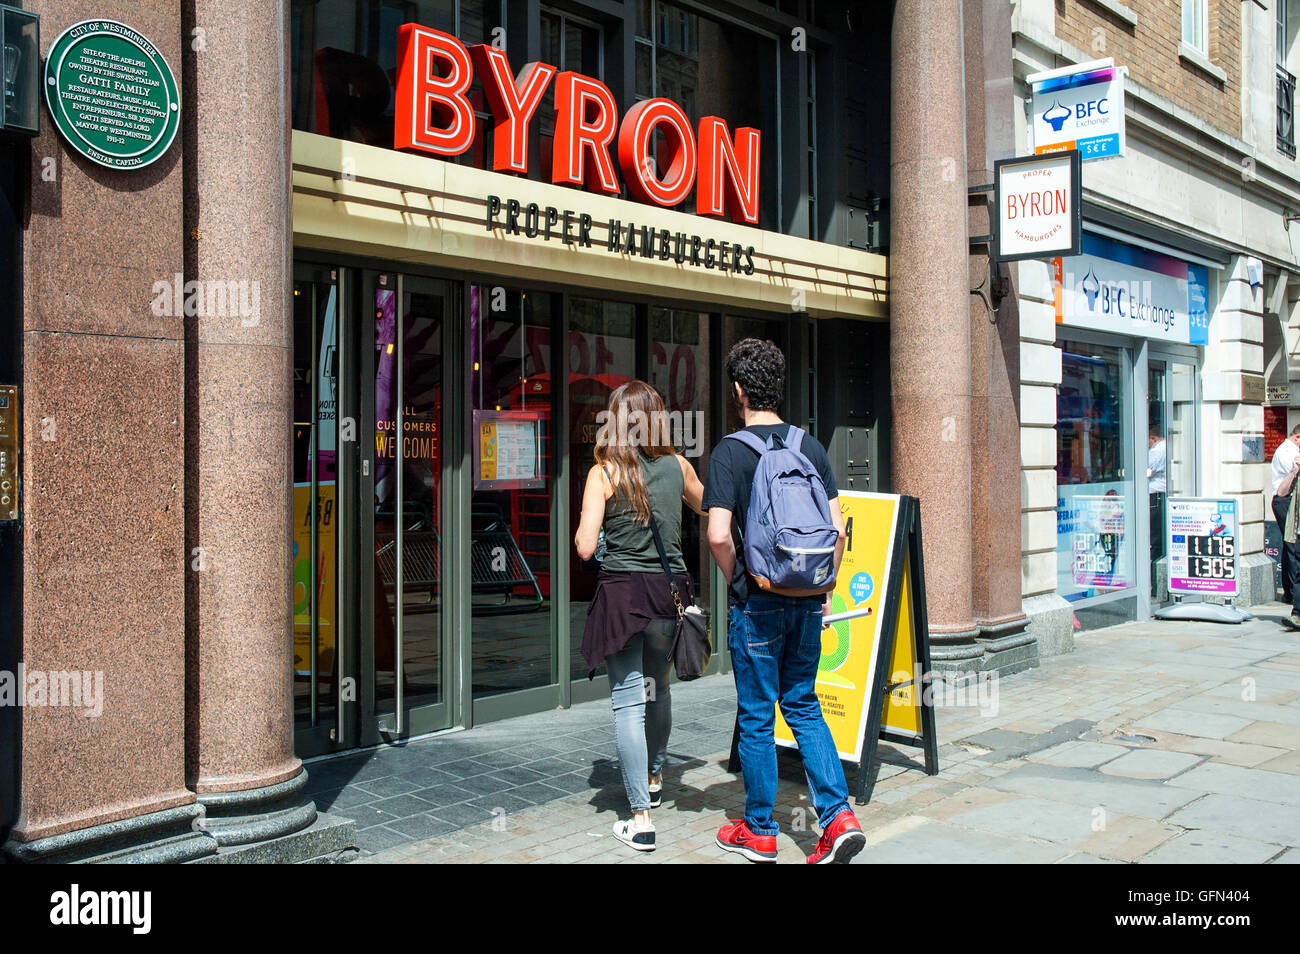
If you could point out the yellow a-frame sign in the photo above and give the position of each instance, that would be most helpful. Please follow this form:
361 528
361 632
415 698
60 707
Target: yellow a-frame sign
876 652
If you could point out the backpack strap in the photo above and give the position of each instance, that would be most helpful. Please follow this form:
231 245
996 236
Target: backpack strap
750 440
794 438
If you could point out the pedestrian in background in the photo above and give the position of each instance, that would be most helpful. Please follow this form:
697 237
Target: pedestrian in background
637 484
1286 465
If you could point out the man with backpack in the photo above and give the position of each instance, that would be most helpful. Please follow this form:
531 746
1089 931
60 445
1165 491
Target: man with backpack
775 482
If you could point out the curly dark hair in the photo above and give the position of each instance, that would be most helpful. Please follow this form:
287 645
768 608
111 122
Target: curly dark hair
758 366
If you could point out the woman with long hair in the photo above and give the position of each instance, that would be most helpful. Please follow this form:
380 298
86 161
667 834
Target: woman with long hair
637 477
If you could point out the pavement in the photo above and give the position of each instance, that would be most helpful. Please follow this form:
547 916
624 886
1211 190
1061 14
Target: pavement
1164 742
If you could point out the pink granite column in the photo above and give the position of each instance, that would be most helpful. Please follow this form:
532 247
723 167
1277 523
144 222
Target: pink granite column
929 306
239 477
102 507
995 349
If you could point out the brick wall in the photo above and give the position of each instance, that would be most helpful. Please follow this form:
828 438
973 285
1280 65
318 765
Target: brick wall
1150 50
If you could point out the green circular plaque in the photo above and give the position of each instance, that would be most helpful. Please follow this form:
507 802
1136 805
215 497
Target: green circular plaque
112 95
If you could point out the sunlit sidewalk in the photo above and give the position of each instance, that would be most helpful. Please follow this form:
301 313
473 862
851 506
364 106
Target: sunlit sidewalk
1152 742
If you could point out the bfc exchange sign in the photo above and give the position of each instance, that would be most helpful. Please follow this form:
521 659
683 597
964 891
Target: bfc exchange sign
1080 107
1127 290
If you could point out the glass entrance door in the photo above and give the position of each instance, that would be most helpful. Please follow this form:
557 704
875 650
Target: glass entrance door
371 660
405 664
1171 454
319 667
1094 483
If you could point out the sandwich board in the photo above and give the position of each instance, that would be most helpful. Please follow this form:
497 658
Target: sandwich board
875 660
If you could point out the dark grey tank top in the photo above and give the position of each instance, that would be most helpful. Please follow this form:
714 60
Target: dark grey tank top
630 546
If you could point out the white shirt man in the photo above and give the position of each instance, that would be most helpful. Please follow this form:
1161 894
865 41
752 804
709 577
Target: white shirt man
1156 464
1286 468
1283 458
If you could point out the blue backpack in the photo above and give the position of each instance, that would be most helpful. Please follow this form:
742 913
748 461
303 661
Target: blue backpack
788 537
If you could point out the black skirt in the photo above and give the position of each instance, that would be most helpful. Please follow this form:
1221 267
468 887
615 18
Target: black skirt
624 603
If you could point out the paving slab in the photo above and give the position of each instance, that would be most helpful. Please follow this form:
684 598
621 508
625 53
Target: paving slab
1256 711
1288 762
1234 780
1031 817
1125 838
1244 817
941 842
1076 754
1190 722
1151 763
1211 848
1219 750
1090 789
1275 734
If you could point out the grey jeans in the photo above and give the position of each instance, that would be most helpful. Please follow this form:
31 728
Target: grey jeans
638 689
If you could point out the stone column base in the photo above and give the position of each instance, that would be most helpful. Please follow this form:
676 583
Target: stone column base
1004 648
259 826
165 837
258 814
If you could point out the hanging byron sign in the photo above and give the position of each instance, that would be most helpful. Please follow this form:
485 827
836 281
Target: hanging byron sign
433 114
1039 203
1128 290
111 94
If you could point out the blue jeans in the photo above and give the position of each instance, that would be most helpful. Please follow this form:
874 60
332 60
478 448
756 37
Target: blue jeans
643 713
775 644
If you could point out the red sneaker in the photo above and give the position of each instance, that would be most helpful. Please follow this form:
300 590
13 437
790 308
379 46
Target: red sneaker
736 836
840 840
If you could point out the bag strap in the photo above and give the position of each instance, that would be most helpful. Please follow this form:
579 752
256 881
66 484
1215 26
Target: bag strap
663 559
750 440
794 438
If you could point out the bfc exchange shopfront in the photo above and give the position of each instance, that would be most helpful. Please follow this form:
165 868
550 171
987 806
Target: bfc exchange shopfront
456 332
1132 325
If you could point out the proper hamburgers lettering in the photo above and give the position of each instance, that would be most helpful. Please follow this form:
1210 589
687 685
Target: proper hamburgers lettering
434 115
573 228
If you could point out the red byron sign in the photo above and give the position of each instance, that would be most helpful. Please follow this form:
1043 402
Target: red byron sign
434 115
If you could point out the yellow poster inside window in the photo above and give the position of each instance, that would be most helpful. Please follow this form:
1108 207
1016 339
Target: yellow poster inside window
846 672
321 579
487 450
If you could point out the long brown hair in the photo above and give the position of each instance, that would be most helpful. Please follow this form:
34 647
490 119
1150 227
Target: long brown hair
635 411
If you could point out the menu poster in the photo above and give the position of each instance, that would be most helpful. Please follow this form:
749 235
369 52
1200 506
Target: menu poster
508 453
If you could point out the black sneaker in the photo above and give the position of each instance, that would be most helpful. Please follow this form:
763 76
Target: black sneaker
642 839
657 793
